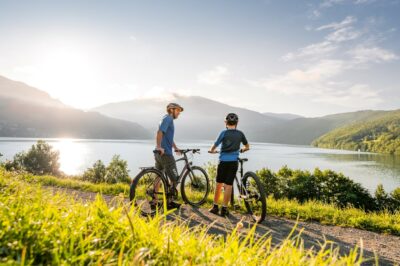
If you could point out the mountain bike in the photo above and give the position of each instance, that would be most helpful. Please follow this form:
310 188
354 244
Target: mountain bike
251 193
151 188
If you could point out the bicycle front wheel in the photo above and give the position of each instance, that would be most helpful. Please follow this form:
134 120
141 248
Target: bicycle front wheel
195 186
148 192
254 197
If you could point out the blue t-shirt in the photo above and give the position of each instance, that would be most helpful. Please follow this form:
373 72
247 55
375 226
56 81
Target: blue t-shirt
230 140
167 127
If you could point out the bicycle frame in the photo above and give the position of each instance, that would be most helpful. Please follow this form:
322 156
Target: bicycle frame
186 168
238 182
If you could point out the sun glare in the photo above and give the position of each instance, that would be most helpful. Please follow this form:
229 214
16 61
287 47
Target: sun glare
71 155
66 72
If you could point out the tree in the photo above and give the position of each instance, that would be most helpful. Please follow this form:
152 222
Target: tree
95 174
41 159
117 171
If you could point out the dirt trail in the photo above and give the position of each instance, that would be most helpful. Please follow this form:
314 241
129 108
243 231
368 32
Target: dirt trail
387 247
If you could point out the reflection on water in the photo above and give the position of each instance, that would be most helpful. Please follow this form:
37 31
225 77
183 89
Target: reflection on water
365 168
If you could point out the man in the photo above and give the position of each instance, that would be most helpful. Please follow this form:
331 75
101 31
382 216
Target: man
164 158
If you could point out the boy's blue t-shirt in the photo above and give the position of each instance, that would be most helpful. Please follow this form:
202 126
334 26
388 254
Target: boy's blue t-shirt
167 127
230 140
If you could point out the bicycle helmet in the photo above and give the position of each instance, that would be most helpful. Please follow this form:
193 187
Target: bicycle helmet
174 106
232 119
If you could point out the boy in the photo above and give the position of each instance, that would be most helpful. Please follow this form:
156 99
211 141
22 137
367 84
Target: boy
228 161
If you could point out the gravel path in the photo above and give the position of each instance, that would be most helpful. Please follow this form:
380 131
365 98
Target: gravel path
387 247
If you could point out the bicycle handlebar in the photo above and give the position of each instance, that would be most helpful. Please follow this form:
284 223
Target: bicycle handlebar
241 151
183 151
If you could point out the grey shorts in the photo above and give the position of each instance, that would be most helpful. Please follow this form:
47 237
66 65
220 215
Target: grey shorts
167 164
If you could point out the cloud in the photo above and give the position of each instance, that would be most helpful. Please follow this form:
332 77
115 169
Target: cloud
338 32
323 63
215 76
362 54
316 49
357 96
338 25
312 80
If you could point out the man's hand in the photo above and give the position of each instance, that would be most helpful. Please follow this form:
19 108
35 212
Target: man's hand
178 152
162 151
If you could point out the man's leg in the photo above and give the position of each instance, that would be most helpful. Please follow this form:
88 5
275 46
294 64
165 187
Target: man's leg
170 169
172 173
157 183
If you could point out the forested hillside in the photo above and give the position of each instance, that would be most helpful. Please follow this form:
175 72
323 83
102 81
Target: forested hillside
381 134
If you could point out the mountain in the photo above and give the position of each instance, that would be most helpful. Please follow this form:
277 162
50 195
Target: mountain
285 116
302 131
28 112
202 119
20 91
378 133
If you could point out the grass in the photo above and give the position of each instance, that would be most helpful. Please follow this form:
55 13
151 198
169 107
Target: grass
381 222
39 228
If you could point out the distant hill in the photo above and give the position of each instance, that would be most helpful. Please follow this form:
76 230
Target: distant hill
28 112
24 119
20 91
378 133
202 119
285 116
302 131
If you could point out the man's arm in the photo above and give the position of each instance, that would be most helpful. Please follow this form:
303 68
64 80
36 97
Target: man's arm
176 148
159 137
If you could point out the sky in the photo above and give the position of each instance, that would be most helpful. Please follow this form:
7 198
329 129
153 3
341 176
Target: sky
310 58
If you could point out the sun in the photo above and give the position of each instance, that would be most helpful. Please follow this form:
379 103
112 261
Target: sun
67 72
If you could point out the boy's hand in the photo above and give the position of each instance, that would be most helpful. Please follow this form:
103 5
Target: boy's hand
243 150
211 151
178 152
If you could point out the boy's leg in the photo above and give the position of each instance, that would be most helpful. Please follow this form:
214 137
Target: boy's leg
230 173
218 188
217 194
227 194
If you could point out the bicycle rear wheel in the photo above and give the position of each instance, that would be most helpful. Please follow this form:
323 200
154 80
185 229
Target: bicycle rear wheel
148 192
254 197
195 186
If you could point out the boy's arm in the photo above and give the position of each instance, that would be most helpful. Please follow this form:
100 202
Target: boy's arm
217 142
245 148
245 143
212 149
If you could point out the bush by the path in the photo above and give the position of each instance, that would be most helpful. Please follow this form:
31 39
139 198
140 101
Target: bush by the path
328 187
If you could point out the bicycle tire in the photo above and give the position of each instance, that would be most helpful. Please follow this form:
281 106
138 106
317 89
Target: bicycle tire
185 194
133 191
261 197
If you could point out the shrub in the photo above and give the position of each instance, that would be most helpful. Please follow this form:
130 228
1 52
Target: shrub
96 173
117 171
326 186
41 159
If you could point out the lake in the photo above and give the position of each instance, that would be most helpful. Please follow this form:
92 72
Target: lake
366 168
